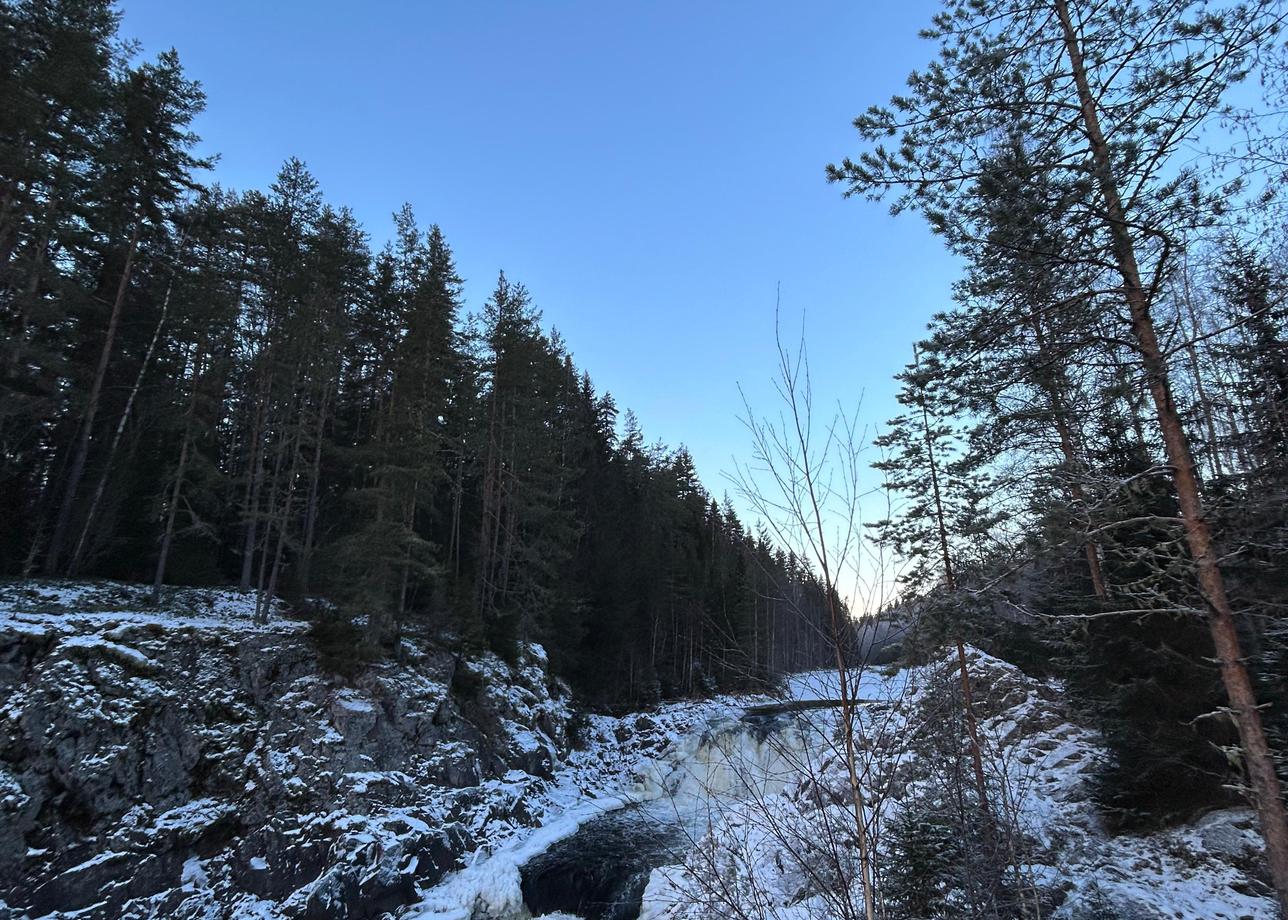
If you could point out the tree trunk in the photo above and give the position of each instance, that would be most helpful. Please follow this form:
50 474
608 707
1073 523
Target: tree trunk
458 494
167 537
254 481
1205 405
274 518
8 227
311 512
19 335
283 523
73 565
1259 760
72 485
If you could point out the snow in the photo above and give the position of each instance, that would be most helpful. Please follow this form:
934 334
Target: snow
194 874
350 700
194 816
716 771
250 907
1038 759
121 653
39 607
491 885
362 781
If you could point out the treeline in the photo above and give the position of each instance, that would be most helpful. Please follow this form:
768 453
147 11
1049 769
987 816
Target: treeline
1093 456
208 387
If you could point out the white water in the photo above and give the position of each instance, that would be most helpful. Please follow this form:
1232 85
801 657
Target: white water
704 773
733 761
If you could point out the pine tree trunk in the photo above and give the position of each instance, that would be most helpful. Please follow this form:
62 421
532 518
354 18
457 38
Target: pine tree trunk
275 517
409 525
167 537
19 337
458 495
488 520
311 511
1205 405
74 565
283 523
72 485
1240 452
8 226
254 482
1259 760
1091 549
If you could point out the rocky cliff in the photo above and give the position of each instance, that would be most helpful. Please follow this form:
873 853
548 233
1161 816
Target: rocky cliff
181 761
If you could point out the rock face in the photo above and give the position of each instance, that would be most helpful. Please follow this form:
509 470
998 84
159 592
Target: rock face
187 763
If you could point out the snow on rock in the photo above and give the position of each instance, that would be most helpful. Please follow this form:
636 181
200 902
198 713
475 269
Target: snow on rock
182 760
621 761
120 610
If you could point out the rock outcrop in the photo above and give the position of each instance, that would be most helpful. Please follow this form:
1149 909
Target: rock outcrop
184 762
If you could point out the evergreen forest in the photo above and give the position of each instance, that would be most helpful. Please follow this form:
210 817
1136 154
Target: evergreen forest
204 386
1088 476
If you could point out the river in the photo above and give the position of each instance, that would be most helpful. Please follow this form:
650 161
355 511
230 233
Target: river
600 872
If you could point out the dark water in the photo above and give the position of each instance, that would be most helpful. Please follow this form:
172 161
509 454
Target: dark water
600 872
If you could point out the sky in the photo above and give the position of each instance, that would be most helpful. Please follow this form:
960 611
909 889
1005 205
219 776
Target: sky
651 171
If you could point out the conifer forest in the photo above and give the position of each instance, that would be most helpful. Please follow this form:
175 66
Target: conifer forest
332 586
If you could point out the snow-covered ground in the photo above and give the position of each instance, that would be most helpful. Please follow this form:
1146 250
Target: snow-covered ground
75 607
1039 763
385 773
748 781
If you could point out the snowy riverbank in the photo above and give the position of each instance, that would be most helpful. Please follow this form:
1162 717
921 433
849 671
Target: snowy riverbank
185 762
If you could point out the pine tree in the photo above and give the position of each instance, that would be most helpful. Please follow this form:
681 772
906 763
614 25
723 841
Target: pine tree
944 505
190 497
393 554
146 167
1139 81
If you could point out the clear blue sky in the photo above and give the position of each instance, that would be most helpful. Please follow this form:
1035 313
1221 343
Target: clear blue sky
650 170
